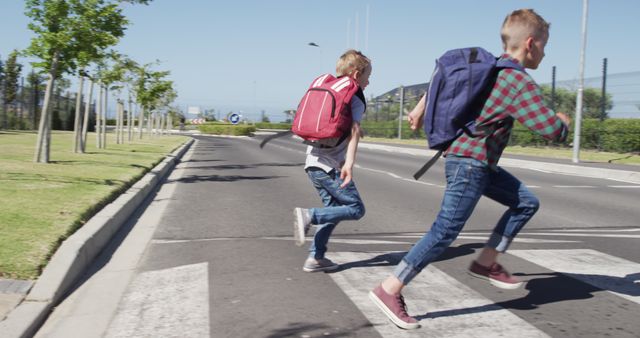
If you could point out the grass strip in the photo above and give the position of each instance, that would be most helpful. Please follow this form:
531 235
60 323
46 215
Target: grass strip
43 204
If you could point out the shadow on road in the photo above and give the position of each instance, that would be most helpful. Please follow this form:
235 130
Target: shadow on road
247 166
307 329
219 178
393 258
557 287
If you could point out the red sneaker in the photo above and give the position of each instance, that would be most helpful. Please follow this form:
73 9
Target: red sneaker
496 275
394 307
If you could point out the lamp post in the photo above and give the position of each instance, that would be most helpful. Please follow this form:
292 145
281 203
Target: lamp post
578 122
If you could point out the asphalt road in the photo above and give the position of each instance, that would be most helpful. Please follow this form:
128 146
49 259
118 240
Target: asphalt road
212 255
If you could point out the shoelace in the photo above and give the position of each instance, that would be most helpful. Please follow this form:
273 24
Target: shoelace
403 305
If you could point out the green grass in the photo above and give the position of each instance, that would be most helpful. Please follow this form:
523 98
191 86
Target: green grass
42 204
548 152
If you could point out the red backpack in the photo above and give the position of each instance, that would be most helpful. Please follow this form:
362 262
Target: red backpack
323 118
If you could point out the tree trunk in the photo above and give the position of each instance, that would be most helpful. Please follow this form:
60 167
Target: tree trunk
150 124
99 117
119 121
44 129
140 122
129 120
104 118
85 120
77 132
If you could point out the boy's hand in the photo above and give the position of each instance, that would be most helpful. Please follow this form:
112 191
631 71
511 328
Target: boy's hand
415 119
564 118
346 173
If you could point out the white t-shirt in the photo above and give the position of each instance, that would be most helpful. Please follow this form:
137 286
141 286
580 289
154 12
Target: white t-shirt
328 159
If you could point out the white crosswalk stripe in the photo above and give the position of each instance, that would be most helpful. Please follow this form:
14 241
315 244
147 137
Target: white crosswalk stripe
601 270
448 308
165 303
425 300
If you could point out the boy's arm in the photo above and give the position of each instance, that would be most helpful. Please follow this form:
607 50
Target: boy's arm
530 110
415 116
346 173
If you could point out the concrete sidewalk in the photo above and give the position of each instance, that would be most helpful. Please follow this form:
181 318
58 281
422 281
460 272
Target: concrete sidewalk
27 311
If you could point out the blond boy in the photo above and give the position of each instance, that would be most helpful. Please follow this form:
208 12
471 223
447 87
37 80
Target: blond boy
331 173
472 170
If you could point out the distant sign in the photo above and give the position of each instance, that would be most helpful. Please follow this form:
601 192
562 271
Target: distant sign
193 110
198 121
234 118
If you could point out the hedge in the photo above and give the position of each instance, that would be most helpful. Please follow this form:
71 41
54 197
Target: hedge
267 125
226 129
614 135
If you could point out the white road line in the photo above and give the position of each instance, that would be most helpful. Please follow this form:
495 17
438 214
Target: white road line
522 240
398 176
580 235
333 240
446 307
165 303
624 186
484 238
598 230
603 271
344 240
574 186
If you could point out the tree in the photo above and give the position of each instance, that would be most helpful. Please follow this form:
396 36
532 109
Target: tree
150 88
12 71
65 30
565 101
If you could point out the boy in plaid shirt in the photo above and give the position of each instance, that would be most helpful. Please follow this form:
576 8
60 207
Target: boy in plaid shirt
472 169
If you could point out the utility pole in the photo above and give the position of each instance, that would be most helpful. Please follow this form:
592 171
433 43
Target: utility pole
553 88
578 117
603 98
400 113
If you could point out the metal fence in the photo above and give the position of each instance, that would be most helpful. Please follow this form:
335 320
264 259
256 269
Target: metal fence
621 89
23 113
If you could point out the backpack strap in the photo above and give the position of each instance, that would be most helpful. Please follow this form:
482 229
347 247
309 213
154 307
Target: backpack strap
427 165
274 136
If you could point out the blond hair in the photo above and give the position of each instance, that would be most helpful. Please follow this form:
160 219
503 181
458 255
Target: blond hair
520 25
351 61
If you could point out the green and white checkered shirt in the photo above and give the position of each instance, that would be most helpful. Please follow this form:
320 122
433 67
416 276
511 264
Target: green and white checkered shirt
515 96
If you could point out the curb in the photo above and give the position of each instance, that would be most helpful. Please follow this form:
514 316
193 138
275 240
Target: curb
78 251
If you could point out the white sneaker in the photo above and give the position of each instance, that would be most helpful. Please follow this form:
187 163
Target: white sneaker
322 264
301 224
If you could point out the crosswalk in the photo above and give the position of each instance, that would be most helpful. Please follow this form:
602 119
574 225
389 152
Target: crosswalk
446 307
447 304
436 299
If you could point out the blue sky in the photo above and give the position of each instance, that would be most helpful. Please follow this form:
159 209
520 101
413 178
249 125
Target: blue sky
250 56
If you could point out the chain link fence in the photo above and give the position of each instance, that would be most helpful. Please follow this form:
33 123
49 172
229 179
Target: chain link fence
22 112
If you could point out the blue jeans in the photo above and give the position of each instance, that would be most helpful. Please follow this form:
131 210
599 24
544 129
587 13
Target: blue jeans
467 180
340 204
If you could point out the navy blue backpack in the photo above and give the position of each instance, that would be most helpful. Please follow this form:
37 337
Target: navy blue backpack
460 84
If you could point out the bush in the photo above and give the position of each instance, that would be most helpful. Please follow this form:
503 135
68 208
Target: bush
614 135
227 129
267 125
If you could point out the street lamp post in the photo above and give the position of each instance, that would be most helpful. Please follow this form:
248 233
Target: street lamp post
578 119
400 113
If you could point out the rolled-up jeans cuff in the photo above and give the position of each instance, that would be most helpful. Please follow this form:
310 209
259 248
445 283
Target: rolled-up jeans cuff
405 272
499 242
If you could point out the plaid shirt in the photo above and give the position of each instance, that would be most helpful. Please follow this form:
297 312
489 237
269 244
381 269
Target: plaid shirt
515 96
